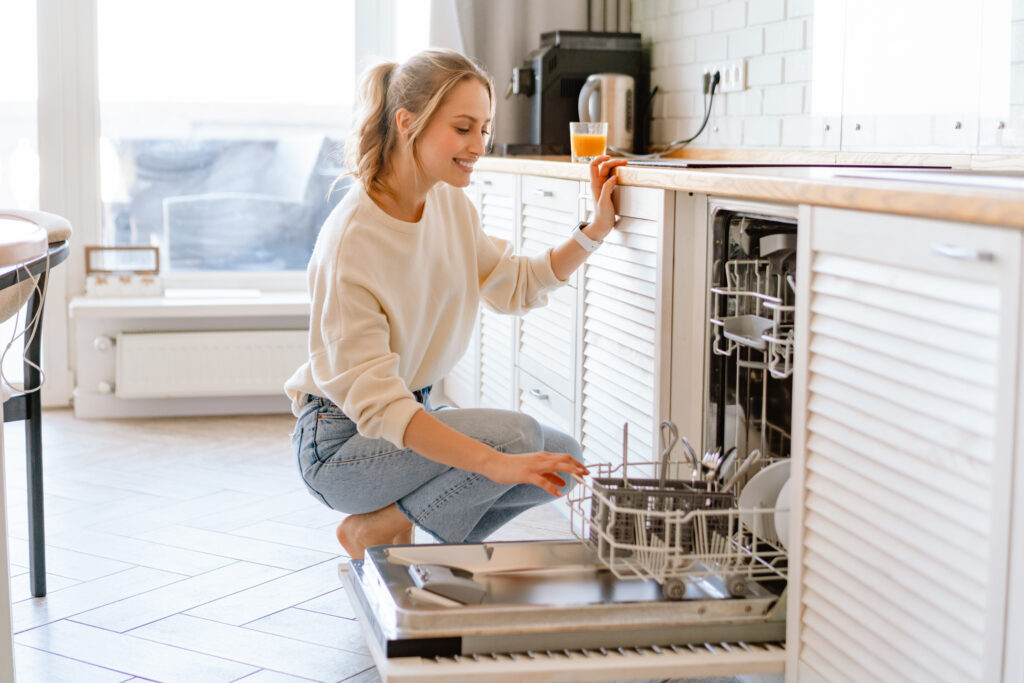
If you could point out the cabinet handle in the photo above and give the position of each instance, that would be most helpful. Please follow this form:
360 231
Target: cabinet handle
487 183
962 253
543 193
537 393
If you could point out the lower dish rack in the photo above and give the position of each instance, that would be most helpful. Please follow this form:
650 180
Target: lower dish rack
672 531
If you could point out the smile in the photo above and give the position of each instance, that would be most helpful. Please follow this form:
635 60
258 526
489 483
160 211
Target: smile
465 165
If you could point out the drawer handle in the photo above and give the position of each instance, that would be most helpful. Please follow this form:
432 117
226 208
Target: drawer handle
537 393
962 253
543 193
487 183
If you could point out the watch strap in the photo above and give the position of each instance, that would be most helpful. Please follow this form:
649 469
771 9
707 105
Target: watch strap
589 245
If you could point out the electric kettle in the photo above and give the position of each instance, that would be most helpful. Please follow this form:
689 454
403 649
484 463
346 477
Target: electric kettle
609 97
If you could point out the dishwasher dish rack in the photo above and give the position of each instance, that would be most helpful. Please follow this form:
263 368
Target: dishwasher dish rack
758 298
673 532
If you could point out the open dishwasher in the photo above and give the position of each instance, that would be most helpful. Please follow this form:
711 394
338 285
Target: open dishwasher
677 569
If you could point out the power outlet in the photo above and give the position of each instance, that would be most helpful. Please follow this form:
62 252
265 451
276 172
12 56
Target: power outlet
733 74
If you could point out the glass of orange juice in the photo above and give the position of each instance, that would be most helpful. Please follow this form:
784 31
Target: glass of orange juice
587 140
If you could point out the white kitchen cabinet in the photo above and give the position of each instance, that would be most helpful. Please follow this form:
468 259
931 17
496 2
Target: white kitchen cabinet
485 375
625 322
904 408
546 341
588 361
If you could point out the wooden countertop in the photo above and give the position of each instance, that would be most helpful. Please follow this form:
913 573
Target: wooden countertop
821 186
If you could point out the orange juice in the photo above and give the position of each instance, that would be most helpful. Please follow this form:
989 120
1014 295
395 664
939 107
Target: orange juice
587 145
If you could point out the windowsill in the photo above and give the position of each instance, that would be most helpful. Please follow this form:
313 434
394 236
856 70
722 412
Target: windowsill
199 303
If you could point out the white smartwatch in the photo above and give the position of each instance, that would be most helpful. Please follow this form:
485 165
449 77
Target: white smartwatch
589 245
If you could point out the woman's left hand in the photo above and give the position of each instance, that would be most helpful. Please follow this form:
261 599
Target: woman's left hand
602 182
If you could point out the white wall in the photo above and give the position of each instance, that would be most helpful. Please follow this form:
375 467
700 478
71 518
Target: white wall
774 36
857 75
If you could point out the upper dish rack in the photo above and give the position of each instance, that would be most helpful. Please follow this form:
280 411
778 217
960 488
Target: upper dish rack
758 300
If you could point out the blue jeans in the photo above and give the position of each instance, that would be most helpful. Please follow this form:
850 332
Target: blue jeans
353 474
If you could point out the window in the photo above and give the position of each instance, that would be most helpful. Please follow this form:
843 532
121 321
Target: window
19 158
222 125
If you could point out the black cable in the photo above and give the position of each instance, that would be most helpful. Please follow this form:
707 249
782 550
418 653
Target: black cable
676 145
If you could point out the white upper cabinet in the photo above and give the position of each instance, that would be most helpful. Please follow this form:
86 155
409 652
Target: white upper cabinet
905 388
922 77
911 75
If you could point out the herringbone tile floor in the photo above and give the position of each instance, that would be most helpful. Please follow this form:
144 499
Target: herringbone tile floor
185 549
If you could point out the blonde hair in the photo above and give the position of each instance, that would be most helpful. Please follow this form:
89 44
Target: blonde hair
420 85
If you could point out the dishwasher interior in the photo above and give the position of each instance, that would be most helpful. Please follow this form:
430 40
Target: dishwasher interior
749 358
679 565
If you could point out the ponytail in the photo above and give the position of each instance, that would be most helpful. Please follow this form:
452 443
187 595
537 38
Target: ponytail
420 86
373 134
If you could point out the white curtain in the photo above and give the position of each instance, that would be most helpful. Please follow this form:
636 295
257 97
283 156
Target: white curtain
500 34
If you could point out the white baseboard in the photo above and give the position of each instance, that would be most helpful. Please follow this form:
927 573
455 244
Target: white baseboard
93 405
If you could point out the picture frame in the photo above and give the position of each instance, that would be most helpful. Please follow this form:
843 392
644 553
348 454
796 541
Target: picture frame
122 260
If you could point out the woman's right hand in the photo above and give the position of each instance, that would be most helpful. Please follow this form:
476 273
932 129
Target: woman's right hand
540 469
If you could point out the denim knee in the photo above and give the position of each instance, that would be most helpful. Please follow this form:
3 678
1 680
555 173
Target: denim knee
525 436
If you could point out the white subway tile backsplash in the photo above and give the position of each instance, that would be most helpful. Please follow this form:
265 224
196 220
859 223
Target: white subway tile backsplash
675 105
721 133
785 36
658 127
668 79
764 70
687 50
695 22
747 42
765 11
786 99
749 103
667 30
691 77
712 48
799 8
762 131
661 55
677 6
730 15
773 36
796 132
796 67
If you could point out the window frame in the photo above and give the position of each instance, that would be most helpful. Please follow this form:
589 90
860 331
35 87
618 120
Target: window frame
68 132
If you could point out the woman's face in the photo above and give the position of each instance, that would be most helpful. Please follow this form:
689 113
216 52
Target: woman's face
456 135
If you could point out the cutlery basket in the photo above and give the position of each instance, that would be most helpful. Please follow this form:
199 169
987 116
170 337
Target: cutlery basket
630 513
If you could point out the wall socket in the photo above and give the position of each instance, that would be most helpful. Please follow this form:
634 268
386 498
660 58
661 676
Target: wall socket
734 75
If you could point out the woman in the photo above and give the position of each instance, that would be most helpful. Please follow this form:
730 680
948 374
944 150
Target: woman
395 280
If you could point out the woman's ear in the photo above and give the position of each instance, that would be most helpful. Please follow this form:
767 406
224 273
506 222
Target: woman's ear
403 121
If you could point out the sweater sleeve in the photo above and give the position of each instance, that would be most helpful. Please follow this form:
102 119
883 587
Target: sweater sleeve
357 369
511 283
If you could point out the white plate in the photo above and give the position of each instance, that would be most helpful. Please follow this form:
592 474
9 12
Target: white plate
760 493
782 516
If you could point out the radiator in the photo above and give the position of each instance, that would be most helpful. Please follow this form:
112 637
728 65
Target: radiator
186 364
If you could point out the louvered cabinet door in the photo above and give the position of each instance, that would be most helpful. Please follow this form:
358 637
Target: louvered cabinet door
498 204
624 322
546 353
906 363
462 383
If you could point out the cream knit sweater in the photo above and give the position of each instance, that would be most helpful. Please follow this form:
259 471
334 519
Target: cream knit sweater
393 303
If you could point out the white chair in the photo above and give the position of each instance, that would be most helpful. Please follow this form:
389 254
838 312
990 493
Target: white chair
20 285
